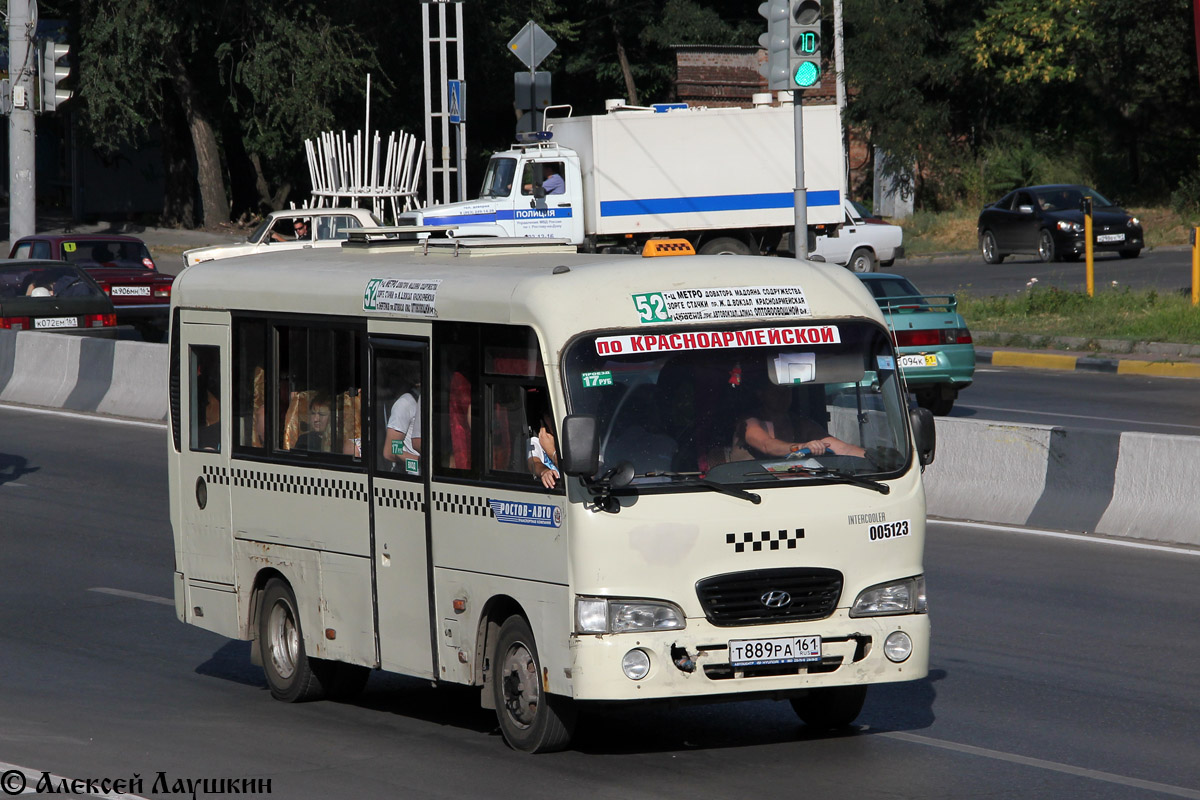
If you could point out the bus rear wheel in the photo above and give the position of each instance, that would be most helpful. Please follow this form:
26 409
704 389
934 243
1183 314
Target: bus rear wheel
290 675
830 708
531 719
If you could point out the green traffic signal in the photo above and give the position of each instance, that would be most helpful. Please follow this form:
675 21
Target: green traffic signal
807 74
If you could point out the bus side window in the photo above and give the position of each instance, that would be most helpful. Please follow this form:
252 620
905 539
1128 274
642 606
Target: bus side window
455 404
204 394
249 383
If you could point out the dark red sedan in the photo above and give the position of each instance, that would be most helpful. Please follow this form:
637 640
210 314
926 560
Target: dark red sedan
121 265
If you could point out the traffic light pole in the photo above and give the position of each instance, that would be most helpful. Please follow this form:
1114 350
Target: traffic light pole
21 197
800 234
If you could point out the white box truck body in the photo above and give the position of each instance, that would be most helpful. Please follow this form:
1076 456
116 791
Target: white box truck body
721 178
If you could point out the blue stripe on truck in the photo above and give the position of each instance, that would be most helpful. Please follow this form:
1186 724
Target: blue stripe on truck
500 214
721 202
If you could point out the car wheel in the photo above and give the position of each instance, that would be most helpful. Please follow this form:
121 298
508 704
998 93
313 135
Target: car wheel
725 246
938 399
1130 253
1046 250
290 675
830 708
987 246
862 260
531 719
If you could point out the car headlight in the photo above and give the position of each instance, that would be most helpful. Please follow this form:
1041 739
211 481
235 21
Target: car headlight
607 615
905 596
1133 222
1073 227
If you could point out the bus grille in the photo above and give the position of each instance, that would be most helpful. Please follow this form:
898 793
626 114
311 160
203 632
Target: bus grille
740 598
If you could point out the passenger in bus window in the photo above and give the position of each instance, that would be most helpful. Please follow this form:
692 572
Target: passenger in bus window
316 438
543 450
770 432
402 440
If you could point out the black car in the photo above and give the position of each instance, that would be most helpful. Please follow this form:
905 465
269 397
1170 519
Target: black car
52 296
1047 221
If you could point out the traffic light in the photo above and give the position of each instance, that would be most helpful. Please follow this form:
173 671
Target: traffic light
804 37
52 74
775 42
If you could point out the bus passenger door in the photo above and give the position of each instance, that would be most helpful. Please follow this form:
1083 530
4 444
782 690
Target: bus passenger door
399 498
204 469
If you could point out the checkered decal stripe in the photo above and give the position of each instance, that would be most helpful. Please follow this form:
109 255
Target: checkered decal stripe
768 540
399 498
300 484
468 504
217 475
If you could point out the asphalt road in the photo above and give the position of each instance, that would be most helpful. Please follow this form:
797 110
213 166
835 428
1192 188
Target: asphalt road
1061 669
1167 270
1079 399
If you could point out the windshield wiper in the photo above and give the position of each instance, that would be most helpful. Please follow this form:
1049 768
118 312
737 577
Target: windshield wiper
825 472
716 486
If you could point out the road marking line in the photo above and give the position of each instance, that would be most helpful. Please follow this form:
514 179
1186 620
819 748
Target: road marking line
1080 537
1054 766
57 412
32 777
1081 416
149 598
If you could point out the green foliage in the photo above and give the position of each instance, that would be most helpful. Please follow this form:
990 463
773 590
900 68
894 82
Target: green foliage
1031 41
1113 313
1185 200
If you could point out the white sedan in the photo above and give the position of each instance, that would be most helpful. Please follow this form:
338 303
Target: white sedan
291 230
861 244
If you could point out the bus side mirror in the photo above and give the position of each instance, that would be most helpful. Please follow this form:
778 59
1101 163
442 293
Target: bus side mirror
580 445
924 435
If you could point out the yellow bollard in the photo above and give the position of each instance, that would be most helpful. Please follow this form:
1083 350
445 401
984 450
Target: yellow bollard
1195 266
1087 245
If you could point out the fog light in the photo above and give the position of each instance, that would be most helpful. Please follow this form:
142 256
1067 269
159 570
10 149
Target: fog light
897 647
636 664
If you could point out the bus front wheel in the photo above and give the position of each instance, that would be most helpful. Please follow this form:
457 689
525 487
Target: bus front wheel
831 707
290 675
531 719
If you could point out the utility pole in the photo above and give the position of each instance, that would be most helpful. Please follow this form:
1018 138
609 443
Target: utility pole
22 20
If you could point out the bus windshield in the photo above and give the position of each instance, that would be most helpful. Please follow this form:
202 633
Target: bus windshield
744 406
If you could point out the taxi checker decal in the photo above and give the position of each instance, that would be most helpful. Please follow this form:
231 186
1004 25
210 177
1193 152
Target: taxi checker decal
517 513
417 298
737 302
706 340
770 540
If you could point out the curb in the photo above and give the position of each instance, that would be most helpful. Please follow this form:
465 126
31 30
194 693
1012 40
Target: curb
1117 366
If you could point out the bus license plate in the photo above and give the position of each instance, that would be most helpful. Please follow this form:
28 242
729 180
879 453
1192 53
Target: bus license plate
56 322
923 360
1111 237
786 650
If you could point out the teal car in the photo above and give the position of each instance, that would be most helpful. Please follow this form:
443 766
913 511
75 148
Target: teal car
933 343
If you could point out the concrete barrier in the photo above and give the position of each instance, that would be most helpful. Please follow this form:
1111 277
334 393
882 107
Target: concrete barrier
81 373
1135 485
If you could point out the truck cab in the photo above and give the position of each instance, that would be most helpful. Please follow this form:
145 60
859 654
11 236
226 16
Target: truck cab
532 190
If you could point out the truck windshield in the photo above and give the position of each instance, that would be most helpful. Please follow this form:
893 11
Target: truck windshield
498 180
739 406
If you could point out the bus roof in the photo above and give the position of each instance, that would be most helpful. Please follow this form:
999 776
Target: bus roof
593 292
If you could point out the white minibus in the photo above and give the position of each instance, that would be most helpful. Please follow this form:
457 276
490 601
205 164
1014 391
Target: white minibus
565 479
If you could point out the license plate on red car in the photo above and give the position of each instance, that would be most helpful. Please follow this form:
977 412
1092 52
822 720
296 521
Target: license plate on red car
56 322
131 291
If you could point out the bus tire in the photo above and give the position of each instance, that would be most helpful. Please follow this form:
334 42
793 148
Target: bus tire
531 719
830 708
290 675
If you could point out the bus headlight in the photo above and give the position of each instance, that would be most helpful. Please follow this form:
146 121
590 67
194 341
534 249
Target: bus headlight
604 615
636 664
905 596
897 646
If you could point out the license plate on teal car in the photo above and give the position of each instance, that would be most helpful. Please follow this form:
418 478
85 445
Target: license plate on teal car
920 360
